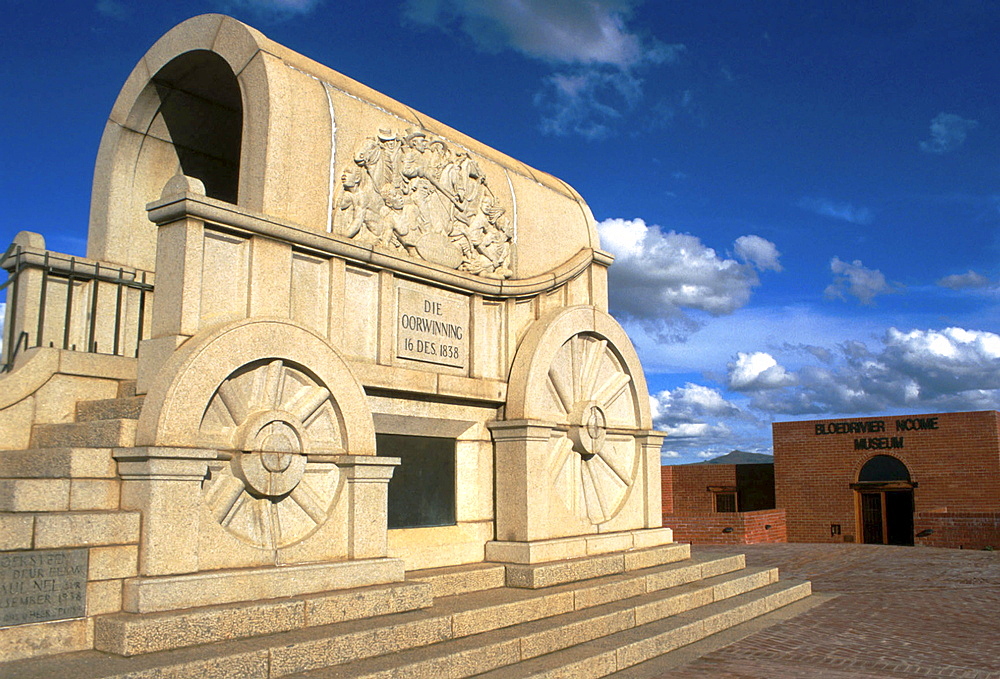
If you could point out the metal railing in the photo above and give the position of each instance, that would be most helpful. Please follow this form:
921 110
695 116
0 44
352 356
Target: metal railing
85 280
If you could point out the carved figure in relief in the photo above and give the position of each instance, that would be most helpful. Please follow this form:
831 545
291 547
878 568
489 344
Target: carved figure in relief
415 194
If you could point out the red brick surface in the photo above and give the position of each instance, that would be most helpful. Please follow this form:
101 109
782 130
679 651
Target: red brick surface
687 489
963 530
747 527
956 467
900 612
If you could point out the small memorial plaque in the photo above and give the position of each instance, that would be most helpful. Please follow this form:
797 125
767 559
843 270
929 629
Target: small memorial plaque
432 328
42 585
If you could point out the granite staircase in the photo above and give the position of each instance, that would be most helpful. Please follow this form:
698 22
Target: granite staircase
454 622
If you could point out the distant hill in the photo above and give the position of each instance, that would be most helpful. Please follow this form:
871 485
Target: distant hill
740 457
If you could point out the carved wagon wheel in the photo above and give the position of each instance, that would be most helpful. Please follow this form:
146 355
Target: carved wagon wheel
582 377
276 417
276 401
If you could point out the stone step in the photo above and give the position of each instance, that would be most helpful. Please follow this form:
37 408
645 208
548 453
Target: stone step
58 463
510 646
58 495
126 388
477 610
605 656
452 580
501 611
109 409
130 634
548 574
118 433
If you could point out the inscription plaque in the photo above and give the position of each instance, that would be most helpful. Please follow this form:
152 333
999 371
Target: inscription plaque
432 328
42 585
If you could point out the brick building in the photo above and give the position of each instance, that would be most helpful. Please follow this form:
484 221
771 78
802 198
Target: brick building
925 479
718 504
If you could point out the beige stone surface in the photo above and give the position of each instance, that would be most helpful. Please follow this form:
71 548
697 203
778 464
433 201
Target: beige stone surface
108 563
34 495
86 463
440 545
166 593
16 531
452 580
15 423
45 638
56 401
90 494
361 641
104 596
506 613
86 529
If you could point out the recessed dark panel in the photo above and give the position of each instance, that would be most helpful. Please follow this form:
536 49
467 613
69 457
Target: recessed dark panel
422 489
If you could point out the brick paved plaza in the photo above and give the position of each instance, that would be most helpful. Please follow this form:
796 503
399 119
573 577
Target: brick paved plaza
879 611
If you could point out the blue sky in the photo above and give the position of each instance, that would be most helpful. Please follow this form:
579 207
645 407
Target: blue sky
804 198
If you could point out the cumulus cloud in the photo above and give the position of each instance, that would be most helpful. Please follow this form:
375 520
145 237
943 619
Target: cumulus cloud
856 280
582 32
600 57
757 371
839 210
949 369
661 275
964 281
701 422
759 252
948 132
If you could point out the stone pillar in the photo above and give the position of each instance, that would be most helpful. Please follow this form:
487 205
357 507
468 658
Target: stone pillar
367 479
177 302
650 444
165 485
523 494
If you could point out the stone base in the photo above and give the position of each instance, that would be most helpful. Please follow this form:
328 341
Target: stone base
543 551
168 593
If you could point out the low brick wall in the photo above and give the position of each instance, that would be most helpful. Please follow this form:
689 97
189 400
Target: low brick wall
748 528
957 530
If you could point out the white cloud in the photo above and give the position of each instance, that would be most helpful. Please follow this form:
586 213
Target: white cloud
963 281
757 371
929 370
759 252
839 210
657 276
589 40
948 132
582 32
856 280
586 102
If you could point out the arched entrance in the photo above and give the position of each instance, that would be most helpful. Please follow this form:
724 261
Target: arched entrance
884 501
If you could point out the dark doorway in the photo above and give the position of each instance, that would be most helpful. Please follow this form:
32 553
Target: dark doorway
885 501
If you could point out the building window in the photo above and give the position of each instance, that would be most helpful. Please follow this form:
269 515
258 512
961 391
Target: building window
725 502
422 488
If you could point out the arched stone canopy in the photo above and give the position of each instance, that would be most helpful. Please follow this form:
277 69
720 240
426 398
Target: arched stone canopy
300 128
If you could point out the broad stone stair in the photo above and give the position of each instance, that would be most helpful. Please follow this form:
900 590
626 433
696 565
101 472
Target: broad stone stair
454 622
107 423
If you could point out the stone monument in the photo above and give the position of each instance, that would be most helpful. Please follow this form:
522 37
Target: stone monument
319 341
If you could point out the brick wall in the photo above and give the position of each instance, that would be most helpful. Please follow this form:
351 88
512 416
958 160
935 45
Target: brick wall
956 466
747 527
958 530
687 492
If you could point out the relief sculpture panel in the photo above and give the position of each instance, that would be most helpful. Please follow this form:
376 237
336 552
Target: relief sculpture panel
413 193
